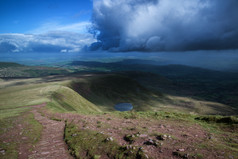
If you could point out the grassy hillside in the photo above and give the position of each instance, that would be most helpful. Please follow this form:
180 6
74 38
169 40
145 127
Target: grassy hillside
106 90
9 64
15 96
178 80
13 70
162 125
65 99
146 91
18 126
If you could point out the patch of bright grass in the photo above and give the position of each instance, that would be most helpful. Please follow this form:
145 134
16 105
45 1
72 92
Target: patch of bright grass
155 115
6 113
9 144
55 119
9 149
65 99
33 131
219 119
91 144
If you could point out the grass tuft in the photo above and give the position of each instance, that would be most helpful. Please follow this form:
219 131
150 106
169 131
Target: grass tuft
89 144
219 119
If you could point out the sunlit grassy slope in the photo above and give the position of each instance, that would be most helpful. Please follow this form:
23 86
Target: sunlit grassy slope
15 97
66 100
98 92
92 94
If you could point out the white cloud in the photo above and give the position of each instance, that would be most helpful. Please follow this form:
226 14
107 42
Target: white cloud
54 41
80 27
51 36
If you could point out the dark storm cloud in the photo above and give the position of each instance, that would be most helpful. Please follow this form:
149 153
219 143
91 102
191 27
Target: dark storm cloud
57 41
170 25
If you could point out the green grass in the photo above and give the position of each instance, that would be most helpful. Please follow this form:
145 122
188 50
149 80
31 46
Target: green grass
222 129
92 144
219 119
65 99
224 135
24 95
6 113
13 101
14 70
55 119
92 95
59 98
10 148
102 92
9 64
10 144
159 115
107 90
33 130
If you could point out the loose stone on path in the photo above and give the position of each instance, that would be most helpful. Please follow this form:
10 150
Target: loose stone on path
51 144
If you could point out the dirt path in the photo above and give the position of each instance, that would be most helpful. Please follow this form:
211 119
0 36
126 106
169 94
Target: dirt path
51 144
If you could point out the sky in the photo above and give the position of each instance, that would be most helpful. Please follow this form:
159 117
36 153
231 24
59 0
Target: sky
117 25
29 16
45 25
166 25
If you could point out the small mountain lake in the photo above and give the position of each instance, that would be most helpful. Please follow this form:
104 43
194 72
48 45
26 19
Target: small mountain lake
123 107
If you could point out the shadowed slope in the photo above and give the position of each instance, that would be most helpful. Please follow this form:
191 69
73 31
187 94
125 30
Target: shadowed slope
65 99
108 90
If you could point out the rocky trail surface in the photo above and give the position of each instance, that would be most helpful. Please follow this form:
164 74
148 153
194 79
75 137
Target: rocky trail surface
168 137
51 144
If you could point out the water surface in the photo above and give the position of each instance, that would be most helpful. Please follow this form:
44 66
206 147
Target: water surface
123 107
